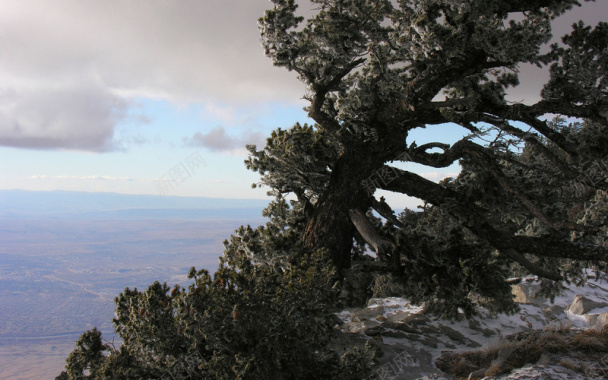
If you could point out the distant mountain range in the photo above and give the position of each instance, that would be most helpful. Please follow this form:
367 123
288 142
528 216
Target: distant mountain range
23 204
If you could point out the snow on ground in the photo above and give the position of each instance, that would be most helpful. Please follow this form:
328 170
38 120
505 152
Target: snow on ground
412 340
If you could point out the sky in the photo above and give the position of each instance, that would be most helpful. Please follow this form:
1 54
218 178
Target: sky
153 97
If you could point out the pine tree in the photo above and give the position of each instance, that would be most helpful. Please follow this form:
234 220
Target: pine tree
376 70
531 198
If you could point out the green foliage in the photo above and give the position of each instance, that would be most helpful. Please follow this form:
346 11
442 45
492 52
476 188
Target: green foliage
449 269
374 70
297 160
247 322
88 357
578 74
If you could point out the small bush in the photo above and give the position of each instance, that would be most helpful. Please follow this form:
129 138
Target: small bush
247 322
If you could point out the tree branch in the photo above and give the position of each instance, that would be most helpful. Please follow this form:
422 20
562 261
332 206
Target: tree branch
440 160
531 267
529 115
386 212
320 92
474 219
592 112
530 139
369 233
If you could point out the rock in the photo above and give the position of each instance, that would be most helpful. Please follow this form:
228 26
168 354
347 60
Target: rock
476 326
395 334
412 339
591 319
399 316
544 359
526 294
582 305
602 321
452 334
457 337
541 372
405 327
427 340
597 321
368 313
504 353
501 357
354 327
374 331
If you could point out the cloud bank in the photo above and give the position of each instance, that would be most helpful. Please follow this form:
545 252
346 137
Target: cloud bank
68 68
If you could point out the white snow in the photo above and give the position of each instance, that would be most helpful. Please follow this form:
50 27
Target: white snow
598 310
493 328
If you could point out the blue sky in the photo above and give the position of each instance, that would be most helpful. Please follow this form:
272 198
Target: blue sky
155 138
115 96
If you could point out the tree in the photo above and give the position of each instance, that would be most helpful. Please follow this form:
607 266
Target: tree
376 70
531 197
247 322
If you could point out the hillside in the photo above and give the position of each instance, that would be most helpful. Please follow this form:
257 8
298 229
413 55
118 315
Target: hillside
559 340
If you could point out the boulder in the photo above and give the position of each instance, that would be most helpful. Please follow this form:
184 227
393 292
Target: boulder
399 316
525 293
599 321
582 305
369 313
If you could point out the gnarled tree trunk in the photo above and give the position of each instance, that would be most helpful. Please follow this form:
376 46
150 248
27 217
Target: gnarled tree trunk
330 226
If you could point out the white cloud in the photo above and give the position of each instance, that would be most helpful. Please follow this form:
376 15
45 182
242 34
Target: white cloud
186 51
80 117
224 114
218 140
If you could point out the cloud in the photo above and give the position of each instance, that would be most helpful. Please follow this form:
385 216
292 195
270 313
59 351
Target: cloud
218 140
188 50
225 114
183 52
80 117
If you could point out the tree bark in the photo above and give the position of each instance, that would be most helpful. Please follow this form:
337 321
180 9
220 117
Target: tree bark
369 233
330 226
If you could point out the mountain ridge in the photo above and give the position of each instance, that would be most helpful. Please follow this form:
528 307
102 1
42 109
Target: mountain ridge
18 204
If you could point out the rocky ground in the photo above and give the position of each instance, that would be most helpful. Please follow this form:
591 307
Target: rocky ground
412 341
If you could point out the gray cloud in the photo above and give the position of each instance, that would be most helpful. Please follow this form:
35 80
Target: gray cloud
189 50
182 51
218 140
186 51
80 117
